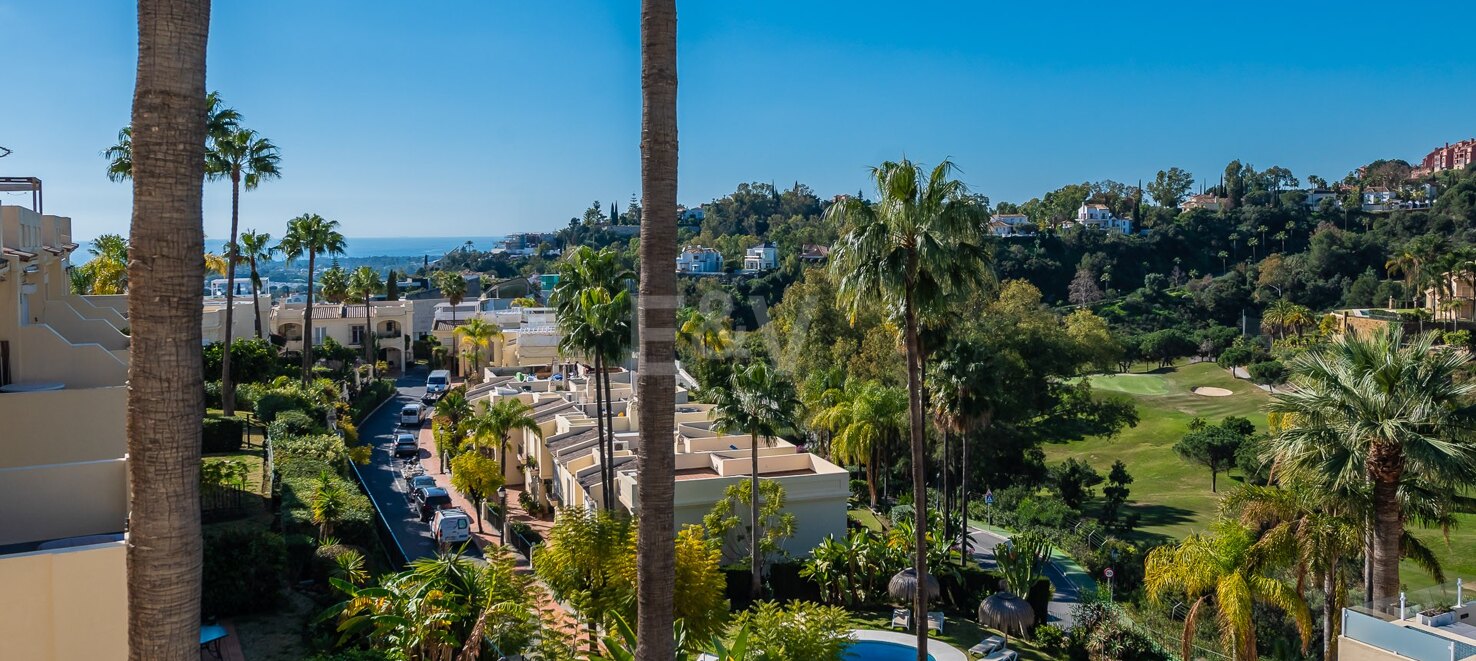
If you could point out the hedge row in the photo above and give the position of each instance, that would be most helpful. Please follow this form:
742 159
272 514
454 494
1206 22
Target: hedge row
221 434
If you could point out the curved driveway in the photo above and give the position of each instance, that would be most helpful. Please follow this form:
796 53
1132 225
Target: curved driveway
1067 581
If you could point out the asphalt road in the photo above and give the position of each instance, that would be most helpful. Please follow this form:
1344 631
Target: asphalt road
382 476
1066 595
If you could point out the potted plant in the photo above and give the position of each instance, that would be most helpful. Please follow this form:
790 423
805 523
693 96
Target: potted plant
1437 615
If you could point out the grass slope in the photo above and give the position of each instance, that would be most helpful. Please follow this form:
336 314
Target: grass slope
1171 496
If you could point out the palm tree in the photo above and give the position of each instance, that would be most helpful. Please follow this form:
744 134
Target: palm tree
108 269
363 284
479 334
165 383
598 327
762 402
1309 526
454 408
503 417
962 383
452 286
215 263
256 247
656 557
863 418
703 333
243 157
333 284
912 249
327 503
1400 409
1274 319
219 122
1224 571
311 235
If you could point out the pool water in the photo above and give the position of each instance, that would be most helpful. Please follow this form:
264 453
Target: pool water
876 650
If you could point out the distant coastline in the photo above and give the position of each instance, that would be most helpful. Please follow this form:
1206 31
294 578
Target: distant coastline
367 246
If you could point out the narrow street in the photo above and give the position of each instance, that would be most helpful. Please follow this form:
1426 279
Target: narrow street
1067 593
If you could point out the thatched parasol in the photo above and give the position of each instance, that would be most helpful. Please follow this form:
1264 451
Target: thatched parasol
1003 610
903 586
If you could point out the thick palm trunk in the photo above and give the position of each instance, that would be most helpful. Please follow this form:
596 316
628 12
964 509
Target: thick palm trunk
1331 609
919 477
227 383
166 393
1387 530
656 385
755 566
256 297
307 324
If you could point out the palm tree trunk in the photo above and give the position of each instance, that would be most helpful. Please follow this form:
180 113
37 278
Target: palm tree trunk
756 584
655 555
963 498
610 429
227 384
919 475
256 297
875 453
307 323
946 494
166 390
1387 530
600 426
1331 609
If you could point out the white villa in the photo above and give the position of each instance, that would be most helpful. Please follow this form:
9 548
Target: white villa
763 257
1098 216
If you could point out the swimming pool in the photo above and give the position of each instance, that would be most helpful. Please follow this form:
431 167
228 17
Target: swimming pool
879 650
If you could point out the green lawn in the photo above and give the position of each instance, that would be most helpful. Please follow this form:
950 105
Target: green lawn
1171 496
867 518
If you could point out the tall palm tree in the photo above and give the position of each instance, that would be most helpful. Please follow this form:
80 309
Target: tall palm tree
917 245
1307 525
656 557
963 381
363 284
243 157
1400 409
479 334
165 384
311 235
1226 572
256 248
598 327
762 402
452 286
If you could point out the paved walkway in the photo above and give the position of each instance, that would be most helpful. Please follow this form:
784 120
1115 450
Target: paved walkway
1067 578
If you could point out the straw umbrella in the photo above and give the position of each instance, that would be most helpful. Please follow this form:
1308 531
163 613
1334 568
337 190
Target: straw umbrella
903 586
1003 610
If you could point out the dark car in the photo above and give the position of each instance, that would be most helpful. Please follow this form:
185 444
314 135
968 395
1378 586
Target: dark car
407 446
430 499
415 482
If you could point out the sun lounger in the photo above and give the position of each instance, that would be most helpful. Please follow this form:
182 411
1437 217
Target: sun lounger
986 646
901 618
1003 655
935 621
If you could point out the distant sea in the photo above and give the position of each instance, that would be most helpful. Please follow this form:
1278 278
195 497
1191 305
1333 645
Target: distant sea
370 246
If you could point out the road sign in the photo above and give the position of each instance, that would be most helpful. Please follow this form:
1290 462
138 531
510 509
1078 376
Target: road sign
1107 572
989 497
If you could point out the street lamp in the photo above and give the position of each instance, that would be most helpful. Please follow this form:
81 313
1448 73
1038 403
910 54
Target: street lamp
502 500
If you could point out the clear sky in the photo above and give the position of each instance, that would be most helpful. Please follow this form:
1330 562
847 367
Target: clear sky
449 117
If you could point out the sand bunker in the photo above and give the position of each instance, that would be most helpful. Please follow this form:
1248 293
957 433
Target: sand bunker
1208 391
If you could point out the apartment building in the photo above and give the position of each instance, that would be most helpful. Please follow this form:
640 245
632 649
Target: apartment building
529 336
563 466
1434 624
63 471
1450 157
386 323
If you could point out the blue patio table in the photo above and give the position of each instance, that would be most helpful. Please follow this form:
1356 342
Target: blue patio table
210 637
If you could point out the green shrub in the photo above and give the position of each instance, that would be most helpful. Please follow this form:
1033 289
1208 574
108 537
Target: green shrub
355 526
1039 598
243 571
323 447
1050 639
302 467
370 398
219 434
350 655
325 560
1268 373
293 423
273 402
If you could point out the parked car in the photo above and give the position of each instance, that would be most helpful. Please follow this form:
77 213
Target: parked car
407 446
430 499
418 481
410 416
451 526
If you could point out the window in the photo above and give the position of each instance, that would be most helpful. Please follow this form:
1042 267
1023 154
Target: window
356 334
319 334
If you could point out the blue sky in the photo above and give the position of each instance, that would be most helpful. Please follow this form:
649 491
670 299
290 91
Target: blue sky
474 118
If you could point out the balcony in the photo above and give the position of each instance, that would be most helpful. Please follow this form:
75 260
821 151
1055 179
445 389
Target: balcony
1435 624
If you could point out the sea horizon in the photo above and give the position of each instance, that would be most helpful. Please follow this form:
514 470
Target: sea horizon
364 246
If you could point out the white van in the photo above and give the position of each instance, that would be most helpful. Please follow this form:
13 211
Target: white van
451 526
410 416
437 384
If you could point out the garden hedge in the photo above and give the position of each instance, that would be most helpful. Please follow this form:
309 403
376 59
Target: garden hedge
243 571
221 434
